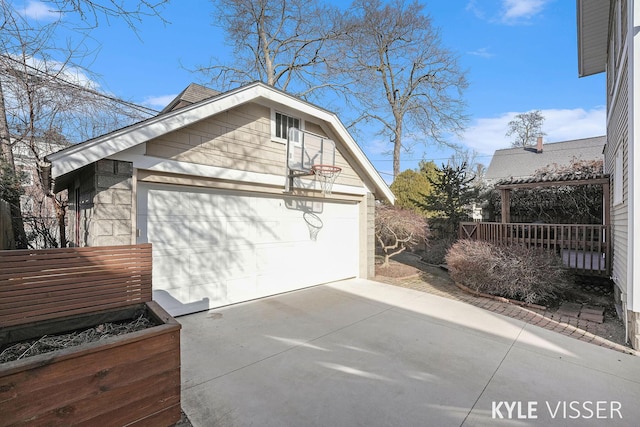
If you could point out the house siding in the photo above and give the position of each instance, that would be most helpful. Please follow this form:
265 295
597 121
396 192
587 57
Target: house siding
617 134
103 215
238 139
619 138
367 236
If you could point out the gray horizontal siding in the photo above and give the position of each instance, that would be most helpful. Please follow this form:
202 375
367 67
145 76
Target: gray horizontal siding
237 139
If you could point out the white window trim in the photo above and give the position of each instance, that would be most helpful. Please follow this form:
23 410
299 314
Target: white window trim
274 138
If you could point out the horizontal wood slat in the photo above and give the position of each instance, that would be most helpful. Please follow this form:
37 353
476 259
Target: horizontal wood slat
51 283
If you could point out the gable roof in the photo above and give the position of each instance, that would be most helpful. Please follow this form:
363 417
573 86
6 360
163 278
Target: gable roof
79 155
519 162
593 28
192 94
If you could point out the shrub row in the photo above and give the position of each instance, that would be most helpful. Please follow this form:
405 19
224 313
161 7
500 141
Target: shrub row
527 274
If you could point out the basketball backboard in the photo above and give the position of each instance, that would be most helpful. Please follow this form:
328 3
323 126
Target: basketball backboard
305 149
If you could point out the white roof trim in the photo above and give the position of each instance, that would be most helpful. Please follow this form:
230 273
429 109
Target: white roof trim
80 155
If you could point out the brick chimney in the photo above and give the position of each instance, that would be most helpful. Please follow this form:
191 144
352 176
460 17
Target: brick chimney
539 146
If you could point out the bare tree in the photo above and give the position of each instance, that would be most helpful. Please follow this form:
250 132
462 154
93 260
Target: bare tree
526 128
402 77
49 100
279 42
92 12
398 229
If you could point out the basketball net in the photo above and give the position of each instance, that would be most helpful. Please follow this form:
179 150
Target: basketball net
327 175
314 223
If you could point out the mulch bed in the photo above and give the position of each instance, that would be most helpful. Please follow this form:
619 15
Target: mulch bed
49 343
397 270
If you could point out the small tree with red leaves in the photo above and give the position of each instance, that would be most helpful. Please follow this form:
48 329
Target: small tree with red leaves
399 229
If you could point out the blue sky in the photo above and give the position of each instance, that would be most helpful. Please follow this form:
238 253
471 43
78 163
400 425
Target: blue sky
520 55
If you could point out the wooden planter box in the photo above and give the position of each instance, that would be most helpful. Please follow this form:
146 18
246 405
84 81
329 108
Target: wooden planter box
131 379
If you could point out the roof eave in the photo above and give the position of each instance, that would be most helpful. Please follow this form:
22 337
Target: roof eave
593 27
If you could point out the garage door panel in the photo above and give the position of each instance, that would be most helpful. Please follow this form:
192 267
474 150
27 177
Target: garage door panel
217 248
165 203
274 258
267 232
170 265
241 263
205 265
244 289
241 229
168 234
206 232
212 292
239 207
204 203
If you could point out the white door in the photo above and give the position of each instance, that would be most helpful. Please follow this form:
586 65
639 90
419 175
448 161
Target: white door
213 248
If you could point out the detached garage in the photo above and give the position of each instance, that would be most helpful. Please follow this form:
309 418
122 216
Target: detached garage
210 183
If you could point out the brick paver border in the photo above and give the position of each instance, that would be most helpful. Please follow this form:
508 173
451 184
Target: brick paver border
582 330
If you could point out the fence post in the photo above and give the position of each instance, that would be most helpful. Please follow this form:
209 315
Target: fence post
6 228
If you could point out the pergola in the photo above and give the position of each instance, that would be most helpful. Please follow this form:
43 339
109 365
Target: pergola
506 186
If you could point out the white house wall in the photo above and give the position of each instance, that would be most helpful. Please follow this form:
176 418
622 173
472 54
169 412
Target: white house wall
633 273
617 141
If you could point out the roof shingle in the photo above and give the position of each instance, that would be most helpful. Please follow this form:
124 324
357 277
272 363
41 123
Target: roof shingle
522 163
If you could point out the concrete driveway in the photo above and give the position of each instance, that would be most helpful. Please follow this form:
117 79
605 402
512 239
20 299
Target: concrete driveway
362 353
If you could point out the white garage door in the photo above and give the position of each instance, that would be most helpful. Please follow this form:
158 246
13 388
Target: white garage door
213 248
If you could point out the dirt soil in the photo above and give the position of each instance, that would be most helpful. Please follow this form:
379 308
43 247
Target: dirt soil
46 343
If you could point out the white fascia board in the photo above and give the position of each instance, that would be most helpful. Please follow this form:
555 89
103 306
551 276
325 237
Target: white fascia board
157 164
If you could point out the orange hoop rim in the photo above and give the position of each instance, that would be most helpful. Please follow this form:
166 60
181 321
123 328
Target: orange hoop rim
325 169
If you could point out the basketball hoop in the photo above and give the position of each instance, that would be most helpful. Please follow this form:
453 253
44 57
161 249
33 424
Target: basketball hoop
314 223
326 174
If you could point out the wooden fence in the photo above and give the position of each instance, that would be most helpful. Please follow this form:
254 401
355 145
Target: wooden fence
584 248
51 283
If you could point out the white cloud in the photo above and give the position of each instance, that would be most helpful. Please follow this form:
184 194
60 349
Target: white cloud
515 11
510 12
483 52
473 7
159 101
40 11
488 134
62 70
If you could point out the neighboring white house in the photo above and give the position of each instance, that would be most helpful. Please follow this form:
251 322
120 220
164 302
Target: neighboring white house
205 182
608 41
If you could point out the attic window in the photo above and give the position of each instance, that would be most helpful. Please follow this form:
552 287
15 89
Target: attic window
280 124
